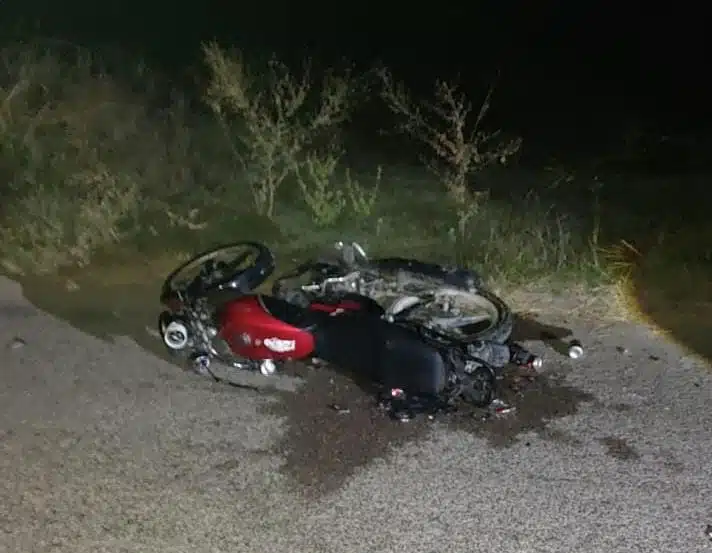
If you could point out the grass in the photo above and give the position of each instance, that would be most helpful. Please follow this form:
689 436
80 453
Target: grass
100 170
90 164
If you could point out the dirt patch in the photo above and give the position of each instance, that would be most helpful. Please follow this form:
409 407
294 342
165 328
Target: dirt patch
619 449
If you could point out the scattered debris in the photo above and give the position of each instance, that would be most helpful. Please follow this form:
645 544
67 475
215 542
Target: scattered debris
708 532
341 410
403 416
17 343
575 349
71 285
623 350
499 407
619 448
654 357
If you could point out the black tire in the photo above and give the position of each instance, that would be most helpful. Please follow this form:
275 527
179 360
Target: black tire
501 331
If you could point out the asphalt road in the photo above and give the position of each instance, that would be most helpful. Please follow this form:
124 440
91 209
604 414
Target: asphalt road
106 447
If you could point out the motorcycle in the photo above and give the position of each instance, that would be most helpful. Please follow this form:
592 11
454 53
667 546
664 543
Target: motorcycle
216 314
449 300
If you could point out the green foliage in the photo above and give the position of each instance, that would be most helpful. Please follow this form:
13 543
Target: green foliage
86 167
268 117
325 200
363 201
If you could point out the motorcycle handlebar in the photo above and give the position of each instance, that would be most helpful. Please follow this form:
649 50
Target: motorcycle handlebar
329 281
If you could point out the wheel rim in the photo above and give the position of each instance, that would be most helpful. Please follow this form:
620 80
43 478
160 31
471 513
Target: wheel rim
459 313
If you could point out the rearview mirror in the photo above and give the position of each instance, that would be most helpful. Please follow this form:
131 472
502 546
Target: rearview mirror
351 254
359 253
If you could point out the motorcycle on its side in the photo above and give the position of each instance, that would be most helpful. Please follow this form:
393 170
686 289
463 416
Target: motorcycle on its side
213 313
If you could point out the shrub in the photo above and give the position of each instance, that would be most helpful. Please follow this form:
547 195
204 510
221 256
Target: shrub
59 123
325 200
273 118
459 148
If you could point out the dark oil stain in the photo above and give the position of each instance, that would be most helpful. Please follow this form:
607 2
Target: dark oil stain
323 447
619 449
227 466
536 402
621 407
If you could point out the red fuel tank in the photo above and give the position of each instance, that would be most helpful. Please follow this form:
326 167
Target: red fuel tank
252 331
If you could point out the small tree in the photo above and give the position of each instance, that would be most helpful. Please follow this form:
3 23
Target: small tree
316 181
274 117
459 148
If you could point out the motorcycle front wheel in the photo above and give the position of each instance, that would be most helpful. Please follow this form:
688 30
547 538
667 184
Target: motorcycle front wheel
461 315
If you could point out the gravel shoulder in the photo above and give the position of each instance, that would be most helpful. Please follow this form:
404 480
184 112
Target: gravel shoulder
104 446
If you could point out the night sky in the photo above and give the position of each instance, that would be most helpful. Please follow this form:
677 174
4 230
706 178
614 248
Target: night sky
579 64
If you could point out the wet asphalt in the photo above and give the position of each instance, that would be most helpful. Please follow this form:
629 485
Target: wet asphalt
107 447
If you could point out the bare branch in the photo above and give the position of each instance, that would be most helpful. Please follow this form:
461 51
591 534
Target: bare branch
275 124
459 148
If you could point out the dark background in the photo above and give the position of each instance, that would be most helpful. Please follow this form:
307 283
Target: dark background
571 74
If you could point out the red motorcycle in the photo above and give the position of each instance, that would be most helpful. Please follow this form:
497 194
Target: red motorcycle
214 314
